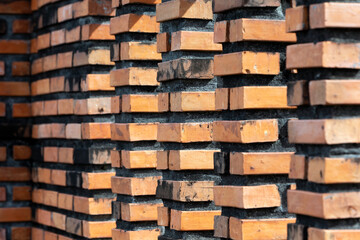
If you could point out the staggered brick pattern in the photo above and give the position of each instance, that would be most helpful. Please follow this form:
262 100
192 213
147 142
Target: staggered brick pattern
255 153
71 109
327 91
15 124
135 129
179 119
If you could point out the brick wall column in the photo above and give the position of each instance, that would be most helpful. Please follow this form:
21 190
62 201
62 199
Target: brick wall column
135 128
15 124
326 133
71 109
251 95
186 74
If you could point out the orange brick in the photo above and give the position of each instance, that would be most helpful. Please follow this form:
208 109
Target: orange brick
14 89
65 106
43 41
72 35
64 60
324 205
150 2
145 103
259 30
21 26
222 98
264 63
37 233
186 191
2 194
96 82
139 212
37 66
326 170
192 101
184 9
334 15
44 175
21 193
193 220
139 51
73 131
115 159
331 92
21 110
2 154
324 131
99 106
220 5
57 130
66 155
92 206
99 180
65 13
246 131
253 163
191 159
50 199
21 152
297 19
97 229
133 23
134 131
258 97
251 229
50 107
93 8
221 32
58 37
133 186
50 63
96 32
16 7
58 221
185 132
298 167
18 214
247 197
20 68
93 57
163 42
138 159
323 55
2 68
194 41
65 201
58 177
150 234
51 154
163 216
14 47
115 105
95 131
134 77
325 234
21 233
14 174
40 87
2 109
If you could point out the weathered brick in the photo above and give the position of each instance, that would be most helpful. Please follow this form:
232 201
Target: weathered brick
185 132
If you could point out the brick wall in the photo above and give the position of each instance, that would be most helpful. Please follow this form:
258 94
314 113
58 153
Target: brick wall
179 119
326 89
15 122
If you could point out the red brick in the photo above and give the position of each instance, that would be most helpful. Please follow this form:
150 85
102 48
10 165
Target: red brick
20 233
14 174
58 37
14 89
21 193
21 26
16 7
18 214
2 194
20 68
21 152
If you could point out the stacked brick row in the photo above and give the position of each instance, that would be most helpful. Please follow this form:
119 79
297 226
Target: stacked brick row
251 94
15 124
72 112
186 75
135 129
326 133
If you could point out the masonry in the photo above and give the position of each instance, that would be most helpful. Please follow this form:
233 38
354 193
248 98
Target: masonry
179 119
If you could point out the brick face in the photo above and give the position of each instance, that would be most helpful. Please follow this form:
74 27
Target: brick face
179 119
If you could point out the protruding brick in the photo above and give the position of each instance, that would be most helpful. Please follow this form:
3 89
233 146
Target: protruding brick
139 212
223 5
247 197
145 103
134 23
264 63
297 19
194 41
191 159
163 42
134 77
95 131
139 51
193 220
134 131
332 234
133 186
139 159
175 9
246 131
192 101
185 132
